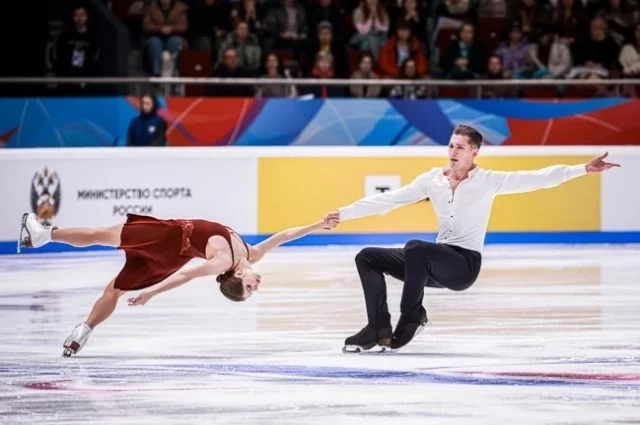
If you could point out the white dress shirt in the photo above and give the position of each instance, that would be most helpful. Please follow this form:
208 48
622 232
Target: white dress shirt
463 215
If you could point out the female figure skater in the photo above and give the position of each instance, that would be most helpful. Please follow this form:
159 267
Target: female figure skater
155 252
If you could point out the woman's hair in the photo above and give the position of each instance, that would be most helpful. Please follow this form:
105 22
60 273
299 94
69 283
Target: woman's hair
231 286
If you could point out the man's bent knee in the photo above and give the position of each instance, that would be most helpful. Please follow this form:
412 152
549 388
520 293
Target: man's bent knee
365 255
413 246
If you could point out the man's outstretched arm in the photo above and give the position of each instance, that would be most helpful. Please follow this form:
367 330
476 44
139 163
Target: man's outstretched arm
382 203
505 182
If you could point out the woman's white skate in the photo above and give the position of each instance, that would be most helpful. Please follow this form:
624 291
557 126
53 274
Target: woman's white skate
32 233
78 338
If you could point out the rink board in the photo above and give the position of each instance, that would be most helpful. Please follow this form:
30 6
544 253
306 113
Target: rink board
259 191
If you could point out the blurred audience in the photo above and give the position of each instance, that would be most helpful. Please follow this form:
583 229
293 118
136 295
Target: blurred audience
165 24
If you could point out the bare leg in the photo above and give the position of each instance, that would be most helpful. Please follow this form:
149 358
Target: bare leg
104 307
86 236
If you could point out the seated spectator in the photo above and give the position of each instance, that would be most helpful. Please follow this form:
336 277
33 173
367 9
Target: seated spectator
325 43
250 12
230 68
148 128
464 58
629 57
398 49
409 71
620 17
492 9
165 24
532 14
324 70
570 18
365 72
495 72
597 52
462 10
327 11
273 71
514 51
550 55
371 21
285 27
76 48
247 47
208 23
412 14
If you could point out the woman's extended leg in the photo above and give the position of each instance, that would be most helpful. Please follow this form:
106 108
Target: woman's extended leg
86 236
38 235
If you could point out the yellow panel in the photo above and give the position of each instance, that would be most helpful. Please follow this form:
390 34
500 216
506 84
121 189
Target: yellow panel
294 191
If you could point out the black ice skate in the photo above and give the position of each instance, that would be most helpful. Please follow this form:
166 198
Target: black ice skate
407 328
370 340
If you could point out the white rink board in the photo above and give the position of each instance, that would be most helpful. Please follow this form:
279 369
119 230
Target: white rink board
97 190
221 183
620 196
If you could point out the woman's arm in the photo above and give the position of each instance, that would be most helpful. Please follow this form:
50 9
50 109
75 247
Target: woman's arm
258 251
211 267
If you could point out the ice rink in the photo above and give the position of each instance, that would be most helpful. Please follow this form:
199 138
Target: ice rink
548 335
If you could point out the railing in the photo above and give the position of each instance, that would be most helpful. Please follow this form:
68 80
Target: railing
617 84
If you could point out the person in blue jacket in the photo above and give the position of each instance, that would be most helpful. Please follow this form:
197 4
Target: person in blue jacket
148 128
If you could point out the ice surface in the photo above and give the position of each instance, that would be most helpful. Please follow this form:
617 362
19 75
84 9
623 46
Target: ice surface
548 335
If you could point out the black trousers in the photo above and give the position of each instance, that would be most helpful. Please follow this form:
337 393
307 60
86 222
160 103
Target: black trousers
418 264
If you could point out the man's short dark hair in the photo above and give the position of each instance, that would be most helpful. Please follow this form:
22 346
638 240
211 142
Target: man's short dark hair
474 135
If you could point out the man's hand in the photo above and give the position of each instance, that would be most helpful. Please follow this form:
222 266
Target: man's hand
598 164
331 220
141 299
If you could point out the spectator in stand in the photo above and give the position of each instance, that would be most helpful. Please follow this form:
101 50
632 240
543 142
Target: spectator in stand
597 55
76 50
409 71
412 14
324 70
273 71
250 12
247 47
230 68
570 18
371 21
165 23
325 43
208 23
620 17
550 55
493 9
462 10
514 51
365 72
532 14
398 49
495 72
464 58
148 128
327 11
286 27
630 55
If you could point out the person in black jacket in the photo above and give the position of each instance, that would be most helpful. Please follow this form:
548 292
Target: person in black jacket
148 128
464 59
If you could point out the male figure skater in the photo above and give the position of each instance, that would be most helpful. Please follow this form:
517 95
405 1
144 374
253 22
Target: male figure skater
462 195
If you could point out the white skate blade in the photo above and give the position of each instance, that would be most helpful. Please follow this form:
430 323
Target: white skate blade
356 349
23 229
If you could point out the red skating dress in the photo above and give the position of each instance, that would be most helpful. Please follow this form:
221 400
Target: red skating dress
157 248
